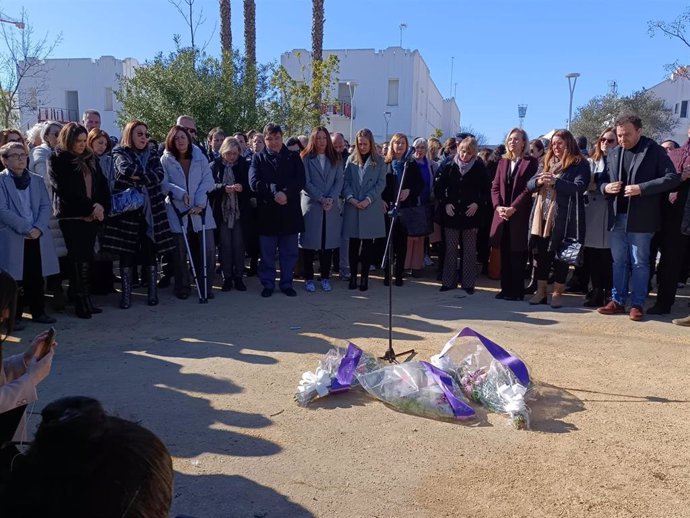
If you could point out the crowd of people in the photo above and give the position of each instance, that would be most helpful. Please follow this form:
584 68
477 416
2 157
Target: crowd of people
73 201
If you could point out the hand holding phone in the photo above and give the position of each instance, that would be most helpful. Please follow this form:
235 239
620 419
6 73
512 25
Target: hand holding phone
47 344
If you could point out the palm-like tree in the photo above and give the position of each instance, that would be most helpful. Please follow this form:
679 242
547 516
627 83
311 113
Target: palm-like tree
225 29
250 49
317 17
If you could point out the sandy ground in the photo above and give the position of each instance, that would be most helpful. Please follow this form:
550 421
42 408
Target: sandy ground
216 382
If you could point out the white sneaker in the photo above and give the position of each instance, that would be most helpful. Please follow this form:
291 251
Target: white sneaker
310 286
326 285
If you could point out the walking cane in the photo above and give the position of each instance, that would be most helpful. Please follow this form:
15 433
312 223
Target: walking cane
203 254
183 226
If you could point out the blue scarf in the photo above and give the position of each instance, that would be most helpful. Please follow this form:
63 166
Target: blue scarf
23 181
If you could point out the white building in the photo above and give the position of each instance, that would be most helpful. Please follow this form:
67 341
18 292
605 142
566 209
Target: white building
64 88
389 91
676 95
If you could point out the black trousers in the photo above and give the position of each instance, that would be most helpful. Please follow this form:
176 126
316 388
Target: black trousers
31 292
325 258
512 266
672 245
80 239
145 254
361 251
600 266
399 247
545 259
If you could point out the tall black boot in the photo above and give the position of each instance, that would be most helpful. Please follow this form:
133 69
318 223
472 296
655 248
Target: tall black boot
85 270
364 282
152 278
126 281
81 305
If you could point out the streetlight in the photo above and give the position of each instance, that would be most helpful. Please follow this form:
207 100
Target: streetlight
522 113
572 81
352 87
403 25
18 25
387 118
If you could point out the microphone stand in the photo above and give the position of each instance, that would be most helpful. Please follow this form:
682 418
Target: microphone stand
393 214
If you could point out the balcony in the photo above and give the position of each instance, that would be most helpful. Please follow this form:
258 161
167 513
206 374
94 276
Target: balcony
62 115
338 108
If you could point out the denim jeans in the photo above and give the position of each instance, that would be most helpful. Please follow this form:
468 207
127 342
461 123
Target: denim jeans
630 252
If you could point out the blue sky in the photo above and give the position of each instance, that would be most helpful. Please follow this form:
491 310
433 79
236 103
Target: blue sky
506 52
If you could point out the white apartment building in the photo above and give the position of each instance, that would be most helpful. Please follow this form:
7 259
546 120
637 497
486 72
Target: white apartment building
387 91
70 86
676 95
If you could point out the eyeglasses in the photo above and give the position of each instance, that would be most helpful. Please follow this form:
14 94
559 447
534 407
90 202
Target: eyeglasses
17 156
192 131
609 140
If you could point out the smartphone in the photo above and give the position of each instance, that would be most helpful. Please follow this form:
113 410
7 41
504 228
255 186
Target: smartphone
47 344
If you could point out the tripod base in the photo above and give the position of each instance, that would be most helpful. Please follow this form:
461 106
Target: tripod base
392 357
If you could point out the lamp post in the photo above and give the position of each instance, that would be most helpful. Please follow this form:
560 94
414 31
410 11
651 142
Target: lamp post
403 26
387 118
18 25
572 81
522 112
352 87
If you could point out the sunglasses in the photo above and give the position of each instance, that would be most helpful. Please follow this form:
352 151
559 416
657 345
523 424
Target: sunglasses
139 134
609 140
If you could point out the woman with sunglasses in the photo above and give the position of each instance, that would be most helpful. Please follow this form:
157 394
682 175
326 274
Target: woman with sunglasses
142 233
597 253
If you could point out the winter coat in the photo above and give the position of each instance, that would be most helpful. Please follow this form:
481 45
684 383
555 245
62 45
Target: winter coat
673 213
366 223
412 180
461 191
596 210
685 224
196 185
270 173
14 228
121 233
244 198
654 172
570 188
39 165
321 183
519 198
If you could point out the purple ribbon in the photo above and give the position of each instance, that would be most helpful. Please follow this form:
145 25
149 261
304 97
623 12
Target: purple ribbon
514 363
460 410
346 369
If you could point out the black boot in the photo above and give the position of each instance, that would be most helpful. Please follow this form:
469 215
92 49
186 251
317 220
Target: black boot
126 281
596 300
364 282
152 284
85 269
81 306
353 280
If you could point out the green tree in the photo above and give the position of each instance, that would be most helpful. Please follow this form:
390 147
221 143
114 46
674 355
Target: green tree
294 106
186 82
601 111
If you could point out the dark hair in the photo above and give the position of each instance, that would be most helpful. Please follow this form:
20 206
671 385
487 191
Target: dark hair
69 134
673 143
463 135
94 135
84 462
240 134
582 142
294 141
170 145
628 117
537 143
572 151
8 301
272 128
127 133
310 150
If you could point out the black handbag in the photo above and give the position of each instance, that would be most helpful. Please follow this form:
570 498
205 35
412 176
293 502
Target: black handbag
571 249
126 201
418 221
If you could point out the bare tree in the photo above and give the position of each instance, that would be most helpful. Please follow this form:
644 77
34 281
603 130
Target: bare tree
250 47
22 61
186 9
225 28
675 29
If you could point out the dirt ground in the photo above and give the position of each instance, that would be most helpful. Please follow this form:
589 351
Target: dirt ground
609 431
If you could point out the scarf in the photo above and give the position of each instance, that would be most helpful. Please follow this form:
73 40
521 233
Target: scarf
545 204
22 181
463 166
229 204
86 163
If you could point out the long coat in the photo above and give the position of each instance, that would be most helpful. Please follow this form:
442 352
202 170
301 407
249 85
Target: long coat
122 232
326 182
39 165
412 180
521 201
14 228
461 191
69 188
570 187
654 172
269 174
366 223
596 210
197 186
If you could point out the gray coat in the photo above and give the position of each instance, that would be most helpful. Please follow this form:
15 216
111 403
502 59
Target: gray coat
321 183
39 165
596 210
364 223
14 228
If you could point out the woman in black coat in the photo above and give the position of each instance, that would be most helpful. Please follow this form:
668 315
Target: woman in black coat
461 187
558 212
81 202
400 165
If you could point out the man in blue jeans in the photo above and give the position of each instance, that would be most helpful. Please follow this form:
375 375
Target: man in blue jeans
638 172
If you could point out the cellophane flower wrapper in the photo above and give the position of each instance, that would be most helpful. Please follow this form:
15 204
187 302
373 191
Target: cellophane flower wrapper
335 373
484 379
414 389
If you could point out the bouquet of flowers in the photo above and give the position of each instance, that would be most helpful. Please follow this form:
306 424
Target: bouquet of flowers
417 388
335 373
488 374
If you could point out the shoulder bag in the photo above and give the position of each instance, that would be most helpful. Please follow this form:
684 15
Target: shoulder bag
571 249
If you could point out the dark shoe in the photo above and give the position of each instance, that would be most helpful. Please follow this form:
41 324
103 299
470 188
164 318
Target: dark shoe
266 292
500 295
513 298
446 288
612 308
658 310
398 281
469 291
636 313
227 285
126 281
42 319
81 307
364 285
353 283
182 295
152 285
239 284
289 292
596 300
82 304
164 282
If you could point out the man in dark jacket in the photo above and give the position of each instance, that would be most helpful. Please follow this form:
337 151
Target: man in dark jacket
638 173
277 177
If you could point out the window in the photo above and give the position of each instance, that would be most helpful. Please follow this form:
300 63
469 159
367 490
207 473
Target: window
72 101
393 87
683 109
108 99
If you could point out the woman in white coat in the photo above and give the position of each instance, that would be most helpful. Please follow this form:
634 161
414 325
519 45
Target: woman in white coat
188 179
27 250
323 169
